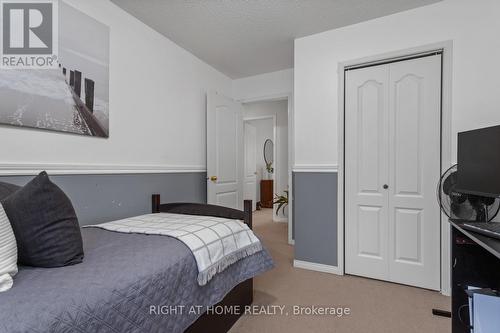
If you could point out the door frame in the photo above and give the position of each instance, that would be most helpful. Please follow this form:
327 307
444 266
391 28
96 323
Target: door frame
288 96
446 47
275 125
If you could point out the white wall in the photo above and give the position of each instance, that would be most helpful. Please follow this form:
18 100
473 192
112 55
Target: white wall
279 109
472 26
264 85
157 106
264 131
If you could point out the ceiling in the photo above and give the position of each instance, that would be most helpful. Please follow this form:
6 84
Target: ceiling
248 37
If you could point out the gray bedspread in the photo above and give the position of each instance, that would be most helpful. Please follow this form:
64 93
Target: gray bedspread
122 276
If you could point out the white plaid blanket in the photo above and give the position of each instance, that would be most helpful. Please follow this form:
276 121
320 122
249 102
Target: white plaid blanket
216 243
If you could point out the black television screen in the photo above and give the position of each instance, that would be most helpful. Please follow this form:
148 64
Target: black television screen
479 162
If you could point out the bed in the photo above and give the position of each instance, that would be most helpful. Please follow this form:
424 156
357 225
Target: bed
132 283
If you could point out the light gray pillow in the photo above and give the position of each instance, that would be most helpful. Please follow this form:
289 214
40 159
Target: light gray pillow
8 252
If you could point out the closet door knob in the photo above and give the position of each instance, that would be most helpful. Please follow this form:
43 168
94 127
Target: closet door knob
386 186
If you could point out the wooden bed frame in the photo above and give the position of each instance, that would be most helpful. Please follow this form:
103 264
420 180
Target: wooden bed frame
242 294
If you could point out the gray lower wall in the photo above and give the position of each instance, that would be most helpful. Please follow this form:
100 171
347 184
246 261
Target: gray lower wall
315 217
102 198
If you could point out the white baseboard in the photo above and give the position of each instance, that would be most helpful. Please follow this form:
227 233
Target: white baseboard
280 219
317 267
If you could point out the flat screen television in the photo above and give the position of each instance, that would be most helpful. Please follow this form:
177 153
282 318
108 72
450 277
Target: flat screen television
479 162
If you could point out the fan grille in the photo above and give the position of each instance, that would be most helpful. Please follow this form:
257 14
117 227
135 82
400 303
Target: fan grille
463 206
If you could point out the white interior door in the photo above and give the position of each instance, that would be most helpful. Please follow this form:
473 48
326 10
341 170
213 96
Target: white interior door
250 188
224 151
392 166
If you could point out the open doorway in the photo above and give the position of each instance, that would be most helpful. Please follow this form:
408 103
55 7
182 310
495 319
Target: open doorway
266 159
226 155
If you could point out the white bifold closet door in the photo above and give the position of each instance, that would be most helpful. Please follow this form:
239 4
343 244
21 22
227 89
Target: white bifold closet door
392 167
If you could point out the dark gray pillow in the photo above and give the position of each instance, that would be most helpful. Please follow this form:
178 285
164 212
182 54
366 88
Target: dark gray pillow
45 225
7 189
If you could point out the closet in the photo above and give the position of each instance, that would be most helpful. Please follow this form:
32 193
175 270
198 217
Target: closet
392 167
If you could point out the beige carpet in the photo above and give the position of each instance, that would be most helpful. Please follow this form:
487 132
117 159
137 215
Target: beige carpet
375 306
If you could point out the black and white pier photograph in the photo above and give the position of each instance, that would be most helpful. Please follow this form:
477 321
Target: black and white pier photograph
73 98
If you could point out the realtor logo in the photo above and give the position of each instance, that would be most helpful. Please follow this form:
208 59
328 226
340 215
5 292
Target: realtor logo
29 34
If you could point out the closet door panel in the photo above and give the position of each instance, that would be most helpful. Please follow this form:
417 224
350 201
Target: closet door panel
414 168
366 172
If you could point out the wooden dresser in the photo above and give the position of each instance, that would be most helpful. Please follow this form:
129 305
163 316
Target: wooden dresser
266 193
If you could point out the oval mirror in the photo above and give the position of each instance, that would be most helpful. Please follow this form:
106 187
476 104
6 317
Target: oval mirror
269 152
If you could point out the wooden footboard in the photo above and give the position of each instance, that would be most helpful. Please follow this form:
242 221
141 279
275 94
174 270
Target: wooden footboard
238 298
241 295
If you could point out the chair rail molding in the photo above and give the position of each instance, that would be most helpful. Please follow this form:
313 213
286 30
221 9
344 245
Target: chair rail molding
325 168
28 169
